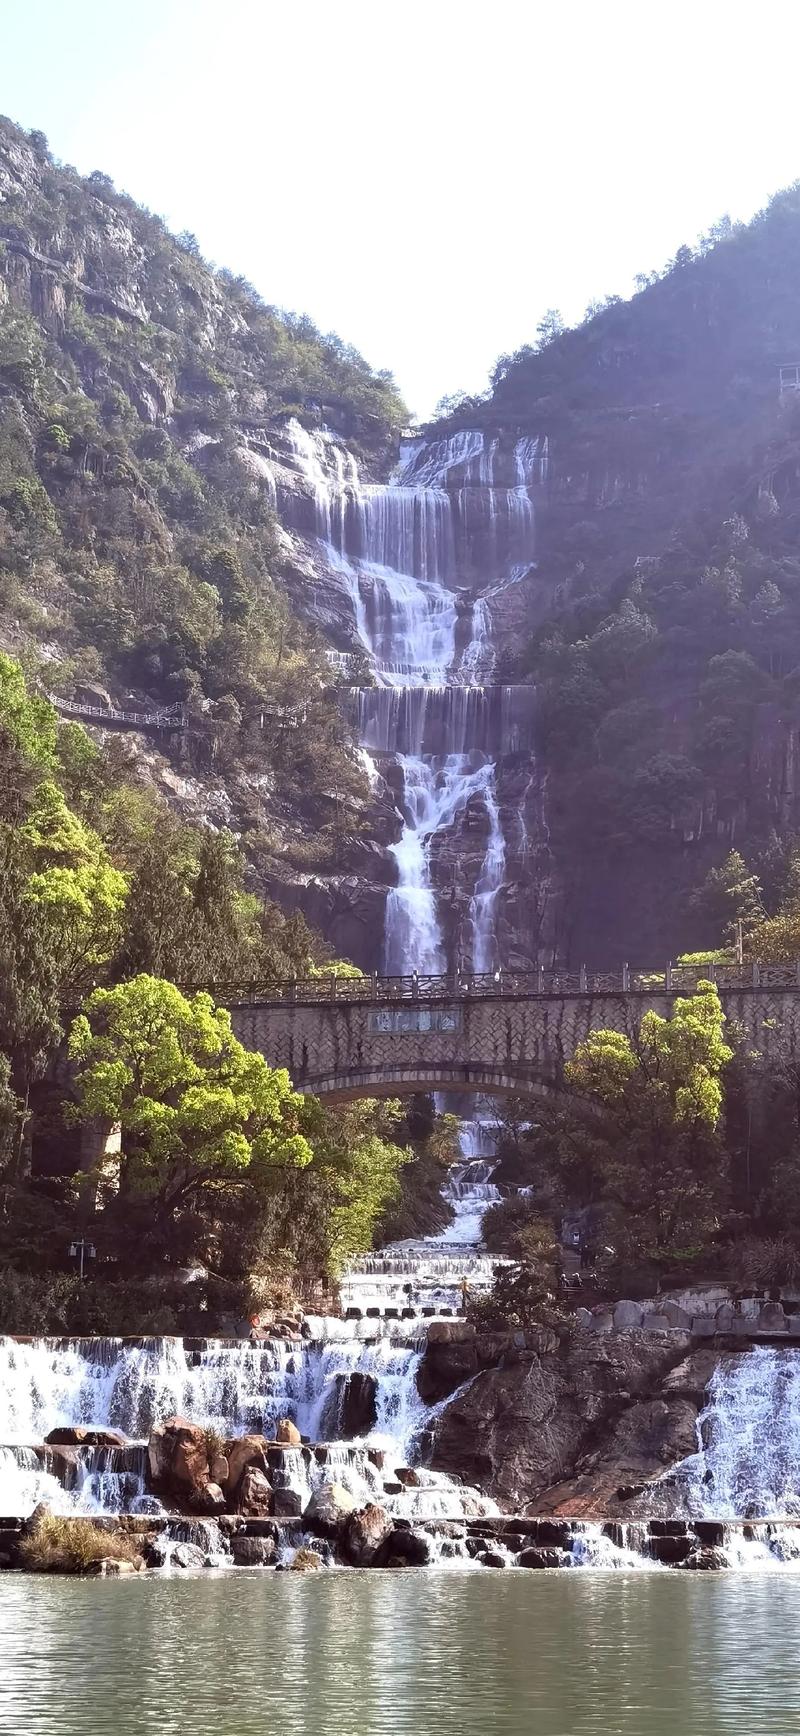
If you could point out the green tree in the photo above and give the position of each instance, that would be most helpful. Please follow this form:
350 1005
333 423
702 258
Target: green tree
354 1177
75 895
645 1121
195 1108
730 895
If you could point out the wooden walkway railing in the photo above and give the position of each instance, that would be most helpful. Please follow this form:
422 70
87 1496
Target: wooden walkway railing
174 718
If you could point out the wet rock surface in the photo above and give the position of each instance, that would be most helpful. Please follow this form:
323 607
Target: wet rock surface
572 1425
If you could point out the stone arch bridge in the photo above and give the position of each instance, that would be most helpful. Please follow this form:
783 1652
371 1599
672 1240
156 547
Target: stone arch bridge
506 1033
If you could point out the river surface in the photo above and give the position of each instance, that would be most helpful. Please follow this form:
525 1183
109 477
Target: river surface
369 1654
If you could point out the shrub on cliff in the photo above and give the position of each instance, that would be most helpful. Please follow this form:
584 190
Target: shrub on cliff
523 1296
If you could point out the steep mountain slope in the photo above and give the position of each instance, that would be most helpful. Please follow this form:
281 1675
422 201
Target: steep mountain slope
166 480
140 552
666 599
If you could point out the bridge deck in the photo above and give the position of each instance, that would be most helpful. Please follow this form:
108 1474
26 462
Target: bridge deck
509 985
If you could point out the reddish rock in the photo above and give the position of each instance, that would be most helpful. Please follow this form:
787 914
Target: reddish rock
178 1460
209 1499
255 1494
246 1450
85 1437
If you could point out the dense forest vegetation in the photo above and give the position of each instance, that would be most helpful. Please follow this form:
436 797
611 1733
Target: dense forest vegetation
107 904
137 548
666 646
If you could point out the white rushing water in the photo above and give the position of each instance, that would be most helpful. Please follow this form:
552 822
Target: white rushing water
748 1462
400 550
230 1388
240 1387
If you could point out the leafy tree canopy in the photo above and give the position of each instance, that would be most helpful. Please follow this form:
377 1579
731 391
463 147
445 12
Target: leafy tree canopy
191 1101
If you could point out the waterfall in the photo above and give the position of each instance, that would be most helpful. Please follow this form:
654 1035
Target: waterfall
487 891
232 1388
436 792
748 1459
75 1479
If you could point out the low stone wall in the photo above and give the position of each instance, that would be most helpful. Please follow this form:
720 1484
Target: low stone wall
751 1318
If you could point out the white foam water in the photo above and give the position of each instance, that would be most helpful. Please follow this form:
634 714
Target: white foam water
748 1459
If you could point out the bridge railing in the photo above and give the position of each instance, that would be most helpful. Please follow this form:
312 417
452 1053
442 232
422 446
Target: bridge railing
530 984
173 718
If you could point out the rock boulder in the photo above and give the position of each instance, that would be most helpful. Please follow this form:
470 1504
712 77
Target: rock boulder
79 1436
244 1451
178 1461
254 1497
357 1405
330 1506
364 1533
252 1551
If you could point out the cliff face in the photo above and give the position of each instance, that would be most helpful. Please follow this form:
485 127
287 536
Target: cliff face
668 538
578 1431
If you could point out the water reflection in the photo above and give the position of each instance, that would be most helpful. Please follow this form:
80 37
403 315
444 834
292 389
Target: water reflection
390 1654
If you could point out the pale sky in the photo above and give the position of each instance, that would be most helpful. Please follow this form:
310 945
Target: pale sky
427 178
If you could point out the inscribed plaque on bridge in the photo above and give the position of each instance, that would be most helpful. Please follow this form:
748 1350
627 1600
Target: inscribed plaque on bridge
389 1020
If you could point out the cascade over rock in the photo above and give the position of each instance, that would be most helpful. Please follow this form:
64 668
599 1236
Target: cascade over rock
412 575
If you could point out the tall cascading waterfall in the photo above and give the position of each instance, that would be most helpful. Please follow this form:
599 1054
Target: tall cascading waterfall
411 555
406 554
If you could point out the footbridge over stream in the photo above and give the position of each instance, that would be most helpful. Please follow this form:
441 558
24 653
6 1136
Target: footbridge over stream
509 1032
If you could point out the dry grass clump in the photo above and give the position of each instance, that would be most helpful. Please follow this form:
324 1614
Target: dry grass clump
57 1544
305 1561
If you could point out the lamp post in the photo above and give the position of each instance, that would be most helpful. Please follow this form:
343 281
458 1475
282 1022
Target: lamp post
83 1250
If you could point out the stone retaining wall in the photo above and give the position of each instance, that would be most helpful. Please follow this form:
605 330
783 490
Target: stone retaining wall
751 1318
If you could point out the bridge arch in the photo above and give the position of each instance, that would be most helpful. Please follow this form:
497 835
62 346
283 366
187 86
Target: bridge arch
383 1081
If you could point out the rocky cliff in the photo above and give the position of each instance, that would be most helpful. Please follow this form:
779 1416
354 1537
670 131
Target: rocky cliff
584 1431
144 406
